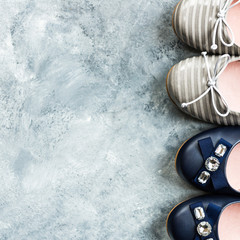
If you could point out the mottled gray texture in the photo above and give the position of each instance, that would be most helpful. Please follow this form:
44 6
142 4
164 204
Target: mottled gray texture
88 134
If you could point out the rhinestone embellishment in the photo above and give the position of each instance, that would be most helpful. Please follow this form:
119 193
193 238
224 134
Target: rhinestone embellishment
204 176
204 229
199 213
220 150
212 164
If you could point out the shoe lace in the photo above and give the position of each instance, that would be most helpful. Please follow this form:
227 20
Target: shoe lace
212 81
221 21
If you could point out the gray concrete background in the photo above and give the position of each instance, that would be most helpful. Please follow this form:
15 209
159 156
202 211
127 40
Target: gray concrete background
88 134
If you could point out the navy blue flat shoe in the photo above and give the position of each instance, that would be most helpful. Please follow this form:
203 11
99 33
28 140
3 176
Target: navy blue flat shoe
209 217
211 160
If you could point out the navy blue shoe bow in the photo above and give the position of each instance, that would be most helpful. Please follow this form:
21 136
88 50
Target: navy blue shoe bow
202 159
198 218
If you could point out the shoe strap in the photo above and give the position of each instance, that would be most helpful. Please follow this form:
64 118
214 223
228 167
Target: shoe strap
220 66
210 215
221 22
217 178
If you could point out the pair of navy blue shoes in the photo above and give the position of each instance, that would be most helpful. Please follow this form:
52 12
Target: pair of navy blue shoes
209 161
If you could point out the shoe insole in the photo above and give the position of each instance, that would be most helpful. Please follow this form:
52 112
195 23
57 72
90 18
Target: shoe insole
233 19
229 223
229 85
233 168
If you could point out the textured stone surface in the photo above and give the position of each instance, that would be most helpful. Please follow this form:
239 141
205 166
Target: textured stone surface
88 134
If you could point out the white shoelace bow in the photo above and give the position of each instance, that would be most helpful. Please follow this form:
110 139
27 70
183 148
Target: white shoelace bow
212 81
221 21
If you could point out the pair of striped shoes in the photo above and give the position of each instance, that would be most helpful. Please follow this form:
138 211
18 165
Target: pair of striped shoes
207 87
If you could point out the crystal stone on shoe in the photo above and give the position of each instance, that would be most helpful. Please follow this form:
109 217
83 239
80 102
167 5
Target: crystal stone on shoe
212 164
199 213
220 150
204 176
204 229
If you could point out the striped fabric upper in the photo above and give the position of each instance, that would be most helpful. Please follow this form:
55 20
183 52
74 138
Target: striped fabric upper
187 80
194 21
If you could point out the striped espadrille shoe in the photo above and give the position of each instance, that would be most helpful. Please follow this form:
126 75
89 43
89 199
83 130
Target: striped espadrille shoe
207 88
209 25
